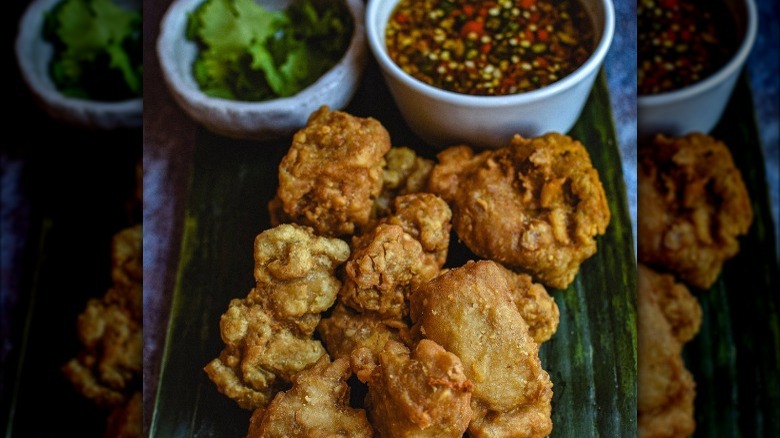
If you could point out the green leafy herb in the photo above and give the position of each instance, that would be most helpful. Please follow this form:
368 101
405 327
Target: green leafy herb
249 53
97 49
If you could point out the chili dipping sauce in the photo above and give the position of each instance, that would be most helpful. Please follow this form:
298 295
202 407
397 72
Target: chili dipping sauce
681 42
489 47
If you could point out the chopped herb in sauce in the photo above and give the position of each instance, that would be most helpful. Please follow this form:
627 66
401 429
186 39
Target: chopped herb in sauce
489 47
681 42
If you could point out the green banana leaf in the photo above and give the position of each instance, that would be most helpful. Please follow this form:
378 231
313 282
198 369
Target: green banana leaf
735 358
591 359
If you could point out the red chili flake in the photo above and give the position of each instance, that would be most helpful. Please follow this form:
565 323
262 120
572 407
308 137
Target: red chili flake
670 55
477 38
475 26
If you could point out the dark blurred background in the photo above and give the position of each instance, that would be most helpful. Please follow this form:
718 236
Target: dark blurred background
64 192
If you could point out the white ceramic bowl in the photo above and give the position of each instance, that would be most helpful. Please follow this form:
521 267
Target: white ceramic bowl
443 118
698 107
255 120
34 54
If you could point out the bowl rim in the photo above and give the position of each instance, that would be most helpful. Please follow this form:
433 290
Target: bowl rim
30 26
594 62
195 96
720 76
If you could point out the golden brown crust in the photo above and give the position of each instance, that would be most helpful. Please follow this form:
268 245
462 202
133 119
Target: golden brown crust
295 274
424 393
316 406
345 330
535 205
268 334
403 249
536 306
693 206
259 355
427 218
469 312
332 173
404 173
668 316
108 368
386 264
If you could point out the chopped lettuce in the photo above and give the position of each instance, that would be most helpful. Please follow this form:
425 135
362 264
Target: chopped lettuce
249 53
97 49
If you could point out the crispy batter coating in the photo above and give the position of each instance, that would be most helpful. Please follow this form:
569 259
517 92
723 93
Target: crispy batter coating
404 173
669 316
268 334
108 368
535 305
404 249
345 330
427 218
294 274
332 173
127 421
534 205
693 204
469 311
424 393
386 264
316 406
258 351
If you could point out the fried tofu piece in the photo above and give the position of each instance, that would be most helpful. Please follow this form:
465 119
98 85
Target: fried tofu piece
332 174
469 312
402 250
404 172
260 354
427 218
108 368
294 274
422 393
669 316
694 205
317 405
345 330
268 335
386 264
112 357
535 205
535 305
